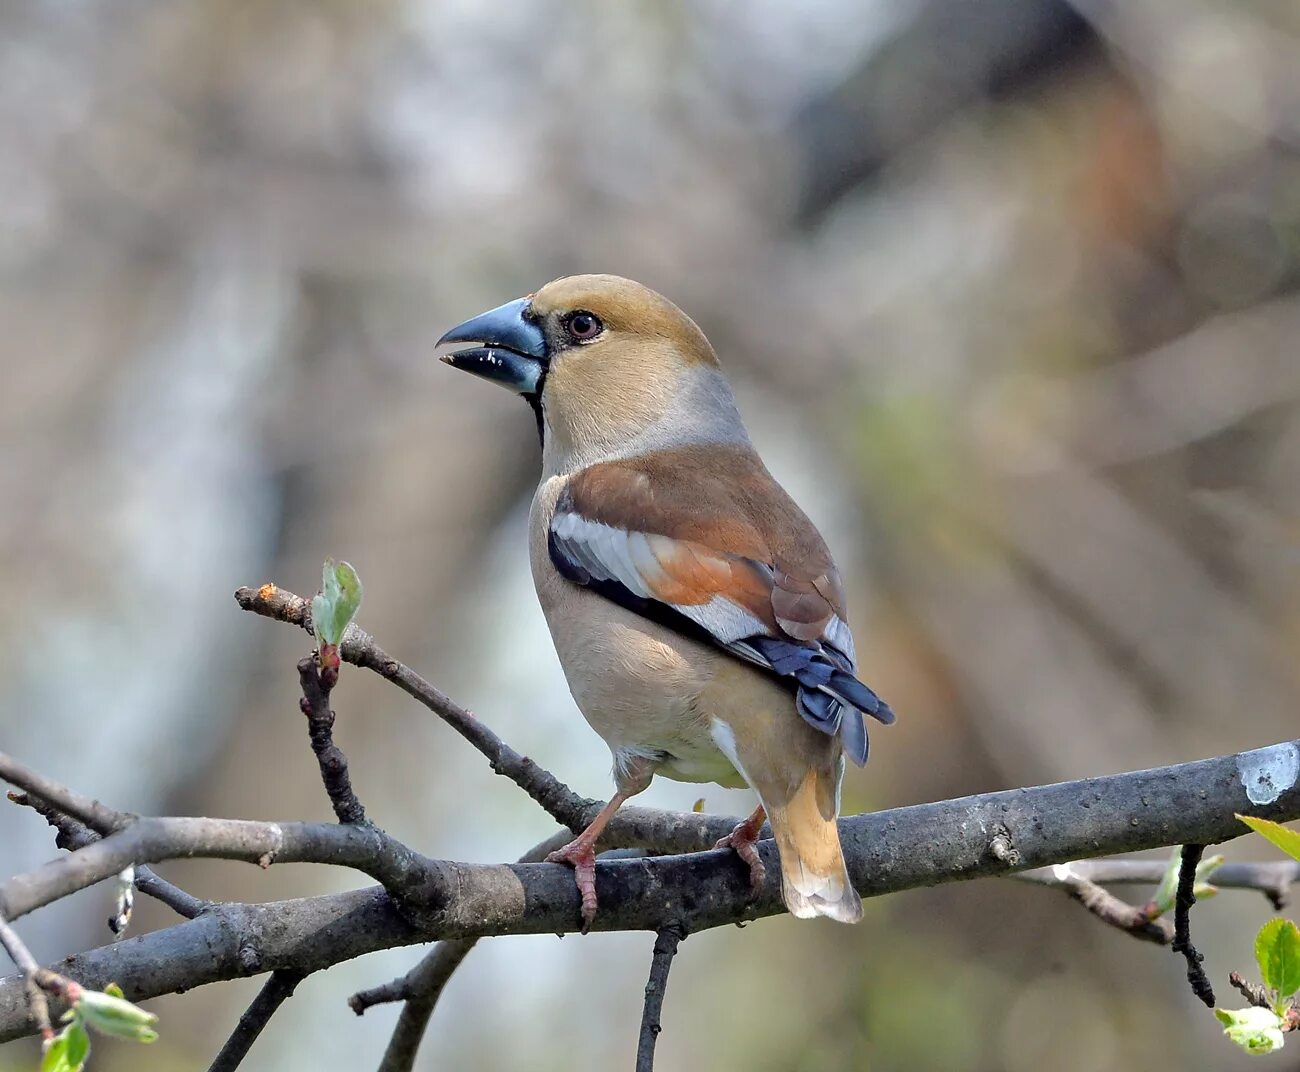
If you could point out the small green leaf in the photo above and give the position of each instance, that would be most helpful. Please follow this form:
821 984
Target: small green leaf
111 1015
337 603
1165 893
1284 838
1277 948
68 1050
1255 1030
114 991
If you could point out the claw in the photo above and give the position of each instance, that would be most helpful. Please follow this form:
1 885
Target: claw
742 841
580 854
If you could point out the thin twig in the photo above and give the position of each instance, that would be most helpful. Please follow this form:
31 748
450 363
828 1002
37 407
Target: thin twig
71 834
1254 993
26 963
1183 901
435 971
315 703
1272 878
99 817
358 647
1104 905
656 987
277 989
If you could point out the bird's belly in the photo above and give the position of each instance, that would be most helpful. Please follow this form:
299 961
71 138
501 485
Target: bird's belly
637 684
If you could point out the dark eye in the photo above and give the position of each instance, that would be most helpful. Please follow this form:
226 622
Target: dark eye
583 326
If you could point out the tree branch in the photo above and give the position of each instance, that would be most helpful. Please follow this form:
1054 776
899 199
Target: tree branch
359 647
277 989
317 685
72 834
1101 903
1183 901
666 942
921 845
369 850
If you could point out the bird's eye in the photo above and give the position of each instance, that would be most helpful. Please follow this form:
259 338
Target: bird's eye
583 326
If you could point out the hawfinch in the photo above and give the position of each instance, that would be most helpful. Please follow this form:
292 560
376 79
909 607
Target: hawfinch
696 611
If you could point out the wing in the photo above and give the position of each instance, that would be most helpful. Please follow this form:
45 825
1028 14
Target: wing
721 554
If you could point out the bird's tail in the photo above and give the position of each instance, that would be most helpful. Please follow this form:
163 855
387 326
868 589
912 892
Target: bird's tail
814 881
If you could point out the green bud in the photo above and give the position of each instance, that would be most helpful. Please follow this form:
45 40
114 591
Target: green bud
111 1015
1255 1030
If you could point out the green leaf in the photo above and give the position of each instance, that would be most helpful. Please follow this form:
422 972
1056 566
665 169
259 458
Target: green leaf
68 1050
337 603
1255 1030
114 991
111 1015
1284 838
1277 948
1165 893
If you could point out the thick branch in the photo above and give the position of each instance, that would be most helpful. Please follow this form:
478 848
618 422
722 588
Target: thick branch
422 986
922 845
359 647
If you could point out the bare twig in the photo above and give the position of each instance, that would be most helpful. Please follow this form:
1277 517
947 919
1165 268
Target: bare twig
1272 878
358 647
430 976
1185 898
278 988
1102 904
1254 993
73 834
97 816
666 942
317 684
31 971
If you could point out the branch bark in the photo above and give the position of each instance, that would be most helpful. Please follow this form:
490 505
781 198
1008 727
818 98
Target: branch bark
656 987
921 845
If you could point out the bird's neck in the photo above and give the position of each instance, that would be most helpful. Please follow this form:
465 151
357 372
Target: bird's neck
698 408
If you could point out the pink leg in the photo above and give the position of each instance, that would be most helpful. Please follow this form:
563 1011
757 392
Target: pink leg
580 853
742 840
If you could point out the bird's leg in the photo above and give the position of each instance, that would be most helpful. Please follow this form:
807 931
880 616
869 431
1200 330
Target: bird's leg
742 840
580 853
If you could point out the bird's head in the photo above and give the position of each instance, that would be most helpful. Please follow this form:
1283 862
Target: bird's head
607 364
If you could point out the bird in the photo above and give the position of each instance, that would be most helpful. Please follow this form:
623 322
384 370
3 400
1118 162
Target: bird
696 611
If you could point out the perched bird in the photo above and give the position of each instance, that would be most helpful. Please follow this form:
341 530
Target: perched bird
696 611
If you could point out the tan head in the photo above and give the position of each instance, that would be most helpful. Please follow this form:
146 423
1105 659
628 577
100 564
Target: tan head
611 367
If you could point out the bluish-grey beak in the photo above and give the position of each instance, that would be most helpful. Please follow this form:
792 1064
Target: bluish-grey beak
513 353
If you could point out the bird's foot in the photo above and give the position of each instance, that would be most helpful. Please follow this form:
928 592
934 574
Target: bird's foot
742 841
580 854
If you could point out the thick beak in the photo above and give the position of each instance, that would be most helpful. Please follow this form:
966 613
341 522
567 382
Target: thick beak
513 353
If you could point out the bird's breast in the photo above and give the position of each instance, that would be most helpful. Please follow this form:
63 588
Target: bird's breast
637 683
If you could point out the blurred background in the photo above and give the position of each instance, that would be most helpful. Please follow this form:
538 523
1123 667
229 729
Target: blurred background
1010 292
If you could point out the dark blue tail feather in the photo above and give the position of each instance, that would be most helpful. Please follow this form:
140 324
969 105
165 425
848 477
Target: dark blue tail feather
829 697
